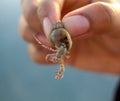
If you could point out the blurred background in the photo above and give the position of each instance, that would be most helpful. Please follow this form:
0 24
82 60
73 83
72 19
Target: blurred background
23 80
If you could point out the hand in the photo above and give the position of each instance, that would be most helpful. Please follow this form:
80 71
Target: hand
94 26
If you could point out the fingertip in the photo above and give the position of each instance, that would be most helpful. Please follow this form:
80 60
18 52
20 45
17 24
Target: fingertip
49 12
76 25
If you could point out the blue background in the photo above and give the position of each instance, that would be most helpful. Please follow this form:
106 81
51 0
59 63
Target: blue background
23 80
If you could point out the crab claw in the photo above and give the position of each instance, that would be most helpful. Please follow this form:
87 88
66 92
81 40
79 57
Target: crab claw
51 58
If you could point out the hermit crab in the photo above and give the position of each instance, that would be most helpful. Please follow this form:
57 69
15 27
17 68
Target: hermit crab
62 42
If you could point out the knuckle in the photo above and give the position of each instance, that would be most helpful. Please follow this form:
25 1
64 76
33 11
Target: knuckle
30 12
104 9
23 29
26 36
29 7
36 54
42 10
102 17
32 52
36 59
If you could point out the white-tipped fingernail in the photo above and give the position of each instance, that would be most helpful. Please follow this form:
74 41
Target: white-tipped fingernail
76 24
47 26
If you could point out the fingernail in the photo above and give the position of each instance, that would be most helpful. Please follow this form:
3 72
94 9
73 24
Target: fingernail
76 25
47 26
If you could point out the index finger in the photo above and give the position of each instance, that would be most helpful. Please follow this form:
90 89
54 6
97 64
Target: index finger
29 8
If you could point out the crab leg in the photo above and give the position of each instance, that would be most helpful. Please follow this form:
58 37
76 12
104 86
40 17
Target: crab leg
61 71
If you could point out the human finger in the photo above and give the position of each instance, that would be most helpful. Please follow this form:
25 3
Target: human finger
27 33
52 11
29 8
38 54
95 18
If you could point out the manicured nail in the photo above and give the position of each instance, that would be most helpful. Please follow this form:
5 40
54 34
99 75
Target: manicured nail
76 25
47 26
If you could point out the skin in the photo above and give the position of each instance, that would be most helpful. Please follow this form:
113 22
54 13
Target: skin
96 38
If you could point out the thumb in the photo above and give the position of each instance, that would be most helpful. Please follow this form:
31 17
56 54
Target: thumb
95 18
